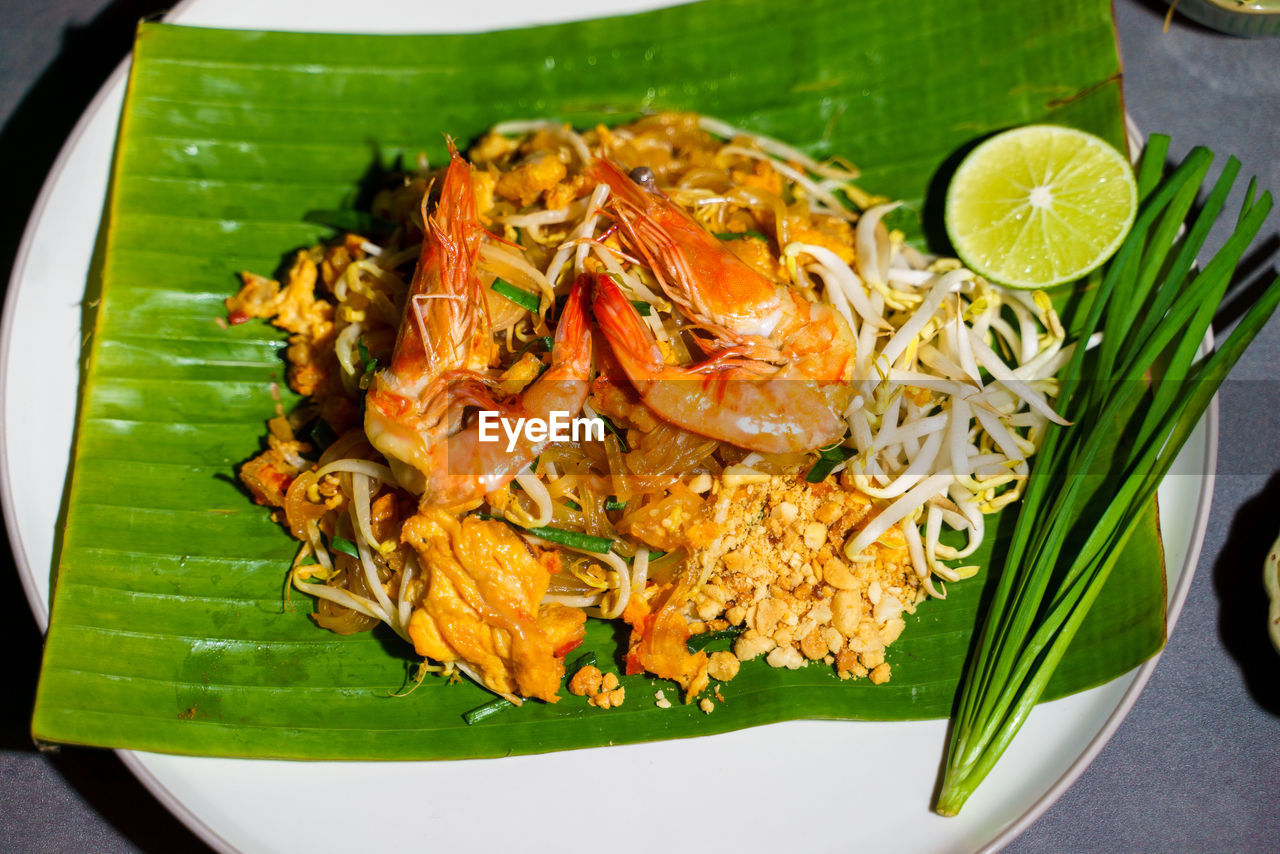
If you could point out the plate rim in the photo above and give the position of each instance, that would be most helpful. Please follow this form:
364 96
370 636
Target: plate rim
135 760
38 604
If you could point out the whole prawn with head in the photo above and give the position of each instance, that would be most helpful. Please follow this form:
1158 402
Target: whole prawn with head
776 377
415 412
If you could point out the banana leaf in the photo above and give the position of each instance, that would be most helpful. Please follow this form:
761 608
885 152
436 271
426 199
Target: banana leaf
169 632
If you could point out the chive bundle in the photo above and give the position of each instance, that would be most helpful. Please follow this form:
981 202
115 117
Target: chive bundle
1133 402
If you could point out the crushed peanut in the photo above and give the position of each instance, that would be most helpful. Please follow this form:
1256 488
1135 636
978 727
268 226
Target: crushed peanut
722 666
586 682
601 689
706 705
778 570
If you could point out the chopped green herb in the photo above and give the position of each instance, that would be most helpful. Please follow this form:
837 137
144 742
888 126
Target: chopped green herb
643 307
543 341
519 296
828 459
613 428
740 235
340 544
370 363
702 641
587 659
572 539
489 709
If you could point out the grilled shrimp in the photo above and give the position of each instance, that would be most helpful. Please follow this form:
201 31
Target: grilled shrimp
779 366
414 409
730 397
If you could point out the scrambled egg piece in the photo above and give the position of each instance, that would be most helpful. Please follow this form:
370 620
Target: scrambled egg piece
528 181
659 637
269 475
481 605
758 256
825 231
296 310
759 174
313 366
491 148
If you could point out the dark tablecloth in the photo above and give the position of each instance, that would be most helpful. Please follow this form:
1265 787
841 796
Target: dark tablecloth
1194 767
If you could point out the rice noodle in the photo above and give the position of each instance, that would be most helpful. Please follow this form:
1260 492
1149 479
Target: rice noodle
511 265
360 509
537 491
368 468
777 148
640 569
830 204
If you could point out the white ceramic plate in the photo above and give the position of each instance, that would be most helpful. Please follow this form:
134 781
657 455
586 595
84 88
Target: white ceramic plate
814 785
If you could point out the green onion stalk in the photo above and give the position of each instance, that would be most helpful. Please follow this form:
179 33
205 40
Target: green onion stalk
1132 403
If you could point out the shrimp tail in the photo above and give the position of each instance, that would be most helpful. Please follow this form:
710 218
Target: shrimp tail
574 328
563 386
632 342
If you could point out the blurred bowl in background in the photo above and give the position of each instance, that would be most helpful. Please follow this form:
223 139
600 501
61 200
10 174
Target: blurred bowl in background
1271 579
1251 18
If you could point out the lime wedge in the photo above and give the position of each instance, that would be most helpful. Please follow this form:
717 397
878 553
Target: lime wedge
1040 205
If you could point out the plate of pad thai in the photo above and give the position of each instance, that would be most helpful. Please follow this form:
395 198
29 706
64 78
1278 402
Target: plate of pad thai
616 429
783 407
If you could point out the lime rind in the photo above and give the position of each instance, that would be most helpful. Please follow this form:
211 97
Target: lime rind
1086 204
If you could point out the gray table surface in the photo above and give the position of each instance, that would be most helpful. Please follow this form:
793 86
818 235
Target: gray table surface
1194 767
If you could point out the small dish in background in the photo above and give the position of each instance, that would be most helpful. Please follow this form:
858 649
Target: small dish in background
1250 18
1271 579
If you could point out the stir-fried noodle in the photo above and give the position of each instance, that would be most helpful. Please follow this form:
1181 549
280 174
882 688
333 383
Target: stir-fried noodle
910 386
